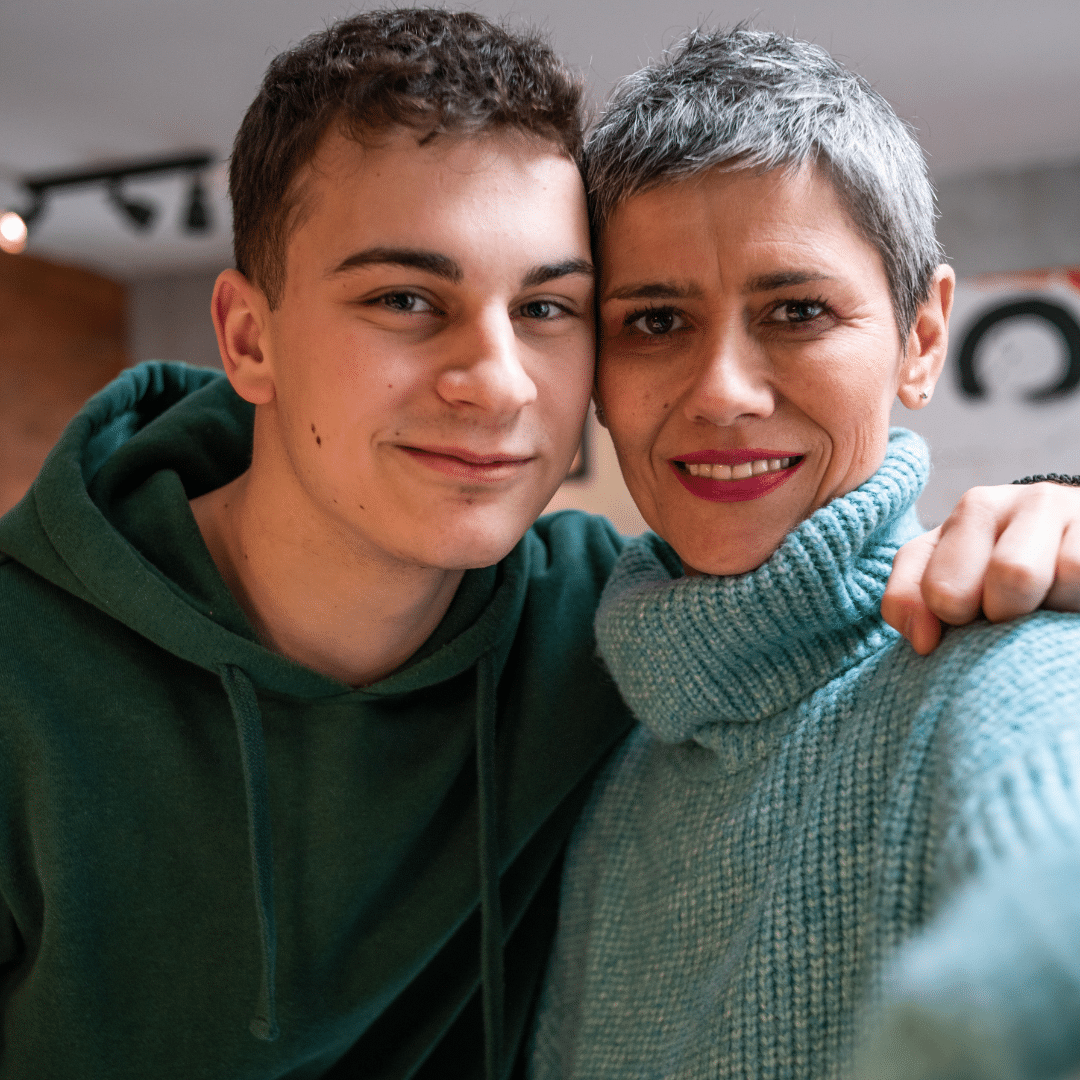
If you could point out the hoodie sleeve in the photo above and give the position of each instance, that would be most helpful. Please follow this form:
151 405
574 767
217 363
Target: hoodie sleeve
990 987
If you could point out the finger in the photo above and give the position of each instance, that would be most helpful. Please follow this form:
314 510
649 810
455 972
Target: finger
903 606
1064 595
952 583
1022 564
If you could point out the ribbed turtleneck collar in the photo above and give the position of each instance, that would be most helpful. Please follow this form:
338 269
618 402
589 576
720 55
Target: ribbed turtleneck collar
689 654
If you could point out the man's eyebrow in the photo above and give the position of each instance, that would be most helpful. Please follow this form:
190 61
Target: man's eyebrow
783 279
541 275
653 290
431 262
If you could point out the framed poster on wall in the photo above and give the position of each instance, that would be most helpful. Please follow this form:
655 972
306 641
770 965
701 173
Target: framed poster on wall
1008 402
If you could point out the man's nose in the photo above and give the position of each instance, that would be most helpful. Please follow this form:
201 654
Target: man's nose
731 382
487 369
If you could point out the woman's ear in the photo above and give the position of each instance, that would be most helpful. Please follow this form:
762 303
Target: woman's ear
241 315
928 342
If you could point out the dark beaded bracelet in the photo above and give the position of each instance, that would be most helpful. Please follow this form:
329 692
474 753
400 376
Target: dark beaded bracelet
1051 478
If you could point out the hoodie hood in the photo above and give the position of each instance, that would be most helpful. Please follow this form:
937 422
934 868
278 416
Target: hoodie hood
171 417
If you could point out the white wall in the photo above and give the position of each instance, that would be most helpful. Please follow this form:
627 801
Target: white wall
169 319
1027 219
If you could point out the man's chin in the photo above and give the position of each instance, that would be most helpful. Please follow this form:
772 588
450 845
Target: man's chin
473 549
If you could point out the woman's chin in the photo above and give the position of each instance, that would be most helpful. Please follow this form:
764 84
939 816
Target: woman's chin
726 564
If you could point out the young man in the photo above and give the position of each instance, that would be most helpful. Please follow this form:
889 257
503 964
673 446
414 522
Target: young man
293 721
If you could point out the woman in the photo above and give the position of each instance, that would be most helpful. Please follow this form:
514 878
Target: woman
812 822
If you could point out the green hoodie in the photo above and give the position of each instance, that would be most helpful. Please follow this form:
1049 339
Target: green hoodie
215 862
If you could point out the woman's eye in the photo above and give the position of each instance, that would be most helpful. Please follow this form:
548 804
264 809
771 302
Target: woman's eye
797 311
658 322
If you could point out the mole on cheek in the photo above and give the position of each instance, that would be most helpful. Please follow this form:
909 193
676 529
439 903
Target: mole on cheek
318 437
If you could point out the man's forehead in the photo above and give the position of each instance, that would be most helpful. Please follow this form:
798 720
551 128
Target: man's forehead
399 166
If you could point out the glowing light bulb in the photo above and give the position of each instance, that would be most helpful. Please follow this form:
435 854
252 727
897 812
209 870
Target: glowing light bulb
12 233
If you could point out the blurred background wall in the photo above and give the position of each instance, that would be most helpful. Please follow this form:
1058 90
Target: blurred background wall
990 86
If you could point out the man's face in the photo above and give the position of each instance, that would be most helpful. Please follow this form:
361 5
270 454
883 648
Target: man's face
433 349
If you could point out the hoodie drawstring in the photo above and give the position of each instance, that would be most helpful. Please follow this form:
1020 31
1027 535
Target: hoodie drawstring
249 730
491 923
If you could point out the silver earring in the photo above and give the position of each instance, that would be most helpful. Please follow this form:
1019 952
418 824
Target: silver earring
922 397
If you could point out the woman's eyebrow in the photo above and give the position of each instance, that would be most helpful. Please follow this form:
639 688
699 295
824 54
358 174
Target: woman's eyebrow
782 279
540 275
653 290
430 262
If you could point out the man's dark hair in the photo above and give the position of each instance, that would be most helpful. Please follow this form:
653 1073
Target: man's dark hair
433 71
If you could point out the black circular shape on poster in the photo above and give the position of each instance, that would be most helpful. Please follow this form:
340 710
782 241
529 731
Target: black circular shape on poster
1059 317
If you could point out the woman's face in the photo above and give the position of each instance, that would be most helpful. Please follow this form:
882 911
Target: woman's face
749 358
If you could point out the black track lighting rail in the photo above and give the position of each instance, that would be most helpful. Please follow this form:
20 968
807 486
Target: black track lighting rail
138 213
39 183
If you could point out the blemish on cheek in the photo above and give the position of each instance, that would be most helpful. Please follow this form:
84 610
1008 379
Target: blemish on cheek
318 437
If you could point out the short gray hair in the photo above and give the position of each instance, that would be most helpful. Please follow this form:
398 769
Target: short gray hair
747 98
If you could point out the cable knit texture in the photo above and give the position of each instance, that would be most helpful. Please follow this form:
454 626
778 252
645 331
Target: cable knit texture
817 833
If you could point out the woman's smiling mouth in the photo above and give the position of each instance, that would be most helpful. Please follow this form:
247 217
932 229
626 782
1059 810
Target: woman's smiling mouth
734 475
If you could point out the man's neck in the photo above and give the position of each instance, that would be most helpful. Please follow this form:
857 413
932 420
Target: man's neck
313 599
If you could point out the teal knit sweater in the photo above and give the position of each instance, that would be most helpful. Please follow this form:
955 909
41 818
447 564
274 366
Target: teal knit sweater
817 834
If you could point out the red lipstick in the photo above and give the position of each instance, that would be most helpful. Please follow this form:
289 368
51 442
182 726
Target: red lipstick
734 490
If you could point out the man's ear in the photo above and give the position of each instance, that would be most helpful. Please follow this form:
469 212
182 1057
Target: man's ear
928 342
241 314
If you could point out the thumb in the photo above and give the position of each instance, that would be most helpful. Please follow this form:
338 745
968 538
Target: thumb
903 606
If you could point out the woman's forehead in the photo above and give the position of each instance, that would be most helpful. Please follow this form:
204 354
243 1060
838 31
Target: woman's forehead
766 225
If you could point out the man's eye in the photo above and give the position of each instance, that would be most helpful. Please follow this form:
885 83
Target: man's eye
656 322
797 311
541 309
404 301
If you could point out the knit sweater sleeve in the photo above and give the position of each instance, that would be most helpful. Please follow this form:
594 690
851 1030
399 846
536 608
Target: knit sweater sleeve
990 986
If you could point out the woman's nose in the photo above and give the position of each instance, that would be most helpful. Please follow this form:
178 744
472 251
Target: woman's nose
487 369
731 382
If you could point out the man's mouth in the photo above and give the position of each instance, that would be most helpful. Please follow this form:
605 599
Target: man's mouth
734 475
469 465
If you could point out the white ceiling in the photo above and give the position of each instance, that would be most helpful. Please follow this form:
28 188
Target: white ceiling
989 84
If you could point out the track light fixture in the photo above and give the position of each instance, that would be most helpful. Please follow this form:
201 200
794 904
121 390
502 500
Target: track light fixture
197 219
139 213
